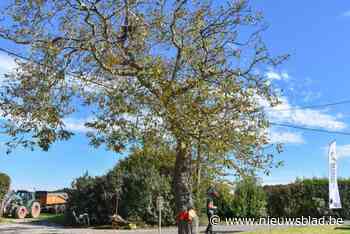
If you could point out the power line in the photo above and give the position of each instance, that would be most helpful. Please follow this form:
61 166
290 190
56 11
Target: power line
347 101
310 129
14 54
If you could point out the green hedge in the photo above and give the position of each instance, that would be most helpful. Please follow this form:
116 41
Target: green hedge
136 181
307 197
4 184
248 199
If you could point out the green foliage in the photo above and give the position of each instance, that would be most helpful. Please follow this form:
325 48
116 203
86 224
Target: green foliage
136 181
5 183
177 73
185 71
226 201
249 198
145 176
90 195
246 198
306 197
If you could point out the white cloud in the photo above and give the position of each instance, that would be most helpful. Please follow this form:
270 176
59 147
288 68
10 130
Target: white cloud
287 113
76 125
343 151
292 114
346 13
7 63
275 75
286 137
276 181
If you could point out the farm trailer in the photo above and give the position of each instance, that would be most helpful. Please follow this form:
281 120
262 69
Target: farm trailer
53 202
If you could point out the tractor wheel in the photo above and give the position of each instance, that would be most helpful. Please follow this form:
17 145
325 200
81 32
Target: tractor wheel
35 210
21 212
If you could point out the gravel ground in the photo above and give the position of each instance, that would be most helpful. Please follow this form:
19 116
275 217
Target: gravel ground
45 228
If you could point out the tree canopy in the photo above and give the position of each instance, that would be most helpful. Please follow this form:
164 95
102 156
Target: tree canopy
188 71
183 69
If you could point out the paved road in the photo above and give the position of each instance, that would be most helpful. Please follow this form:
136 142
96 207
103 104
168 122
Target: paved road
44 228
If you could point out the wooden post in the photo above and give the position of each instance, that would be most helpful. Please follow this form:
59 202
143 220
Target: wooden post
116 202
160 222
160 206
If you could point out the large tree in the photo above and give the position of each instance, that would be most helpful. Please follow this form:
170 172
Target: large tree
188 71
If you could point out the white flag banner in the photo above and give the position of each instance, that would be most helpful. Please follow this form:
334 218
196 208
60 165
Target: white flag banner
334 198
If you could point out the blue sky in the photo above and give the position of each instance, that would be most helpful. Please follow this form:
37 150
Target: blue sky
315 33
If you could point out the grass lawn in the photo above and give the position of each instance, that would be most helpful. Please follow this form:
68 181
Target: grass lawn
6 220
306 230
50 218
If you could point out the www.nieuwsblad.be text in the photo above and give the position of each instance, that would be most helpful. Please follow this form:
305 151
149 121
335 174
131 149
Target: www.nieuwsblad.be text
299 221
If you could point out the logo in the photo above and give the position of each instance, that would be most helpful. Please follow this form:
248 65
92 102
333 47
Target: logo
214 220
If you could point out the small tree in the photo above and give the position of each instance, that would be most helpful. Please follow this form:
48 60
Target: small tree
250 198
226 199
5 183
90 195
187 71
146 174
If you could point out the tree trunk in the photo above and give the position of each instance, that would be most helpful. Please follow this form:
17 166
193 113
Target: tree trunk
182 185
198 185
198 174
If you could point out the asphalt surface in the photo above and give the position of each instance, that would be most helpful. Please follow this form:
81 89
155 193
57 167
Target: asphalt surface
26 227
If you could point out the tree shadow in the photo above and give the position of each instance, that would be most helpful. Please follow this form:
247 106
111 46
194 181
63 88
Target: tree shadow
345 227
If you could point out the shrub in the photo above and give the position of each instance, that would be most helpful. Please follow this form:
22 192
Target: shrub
307 197
4 184
225 202
89 195
249 198
135 181
244 198
142 184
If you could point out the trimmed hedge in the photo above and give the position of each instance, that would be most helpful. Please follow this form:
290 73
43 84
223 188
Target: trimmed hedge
307 197
4 184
